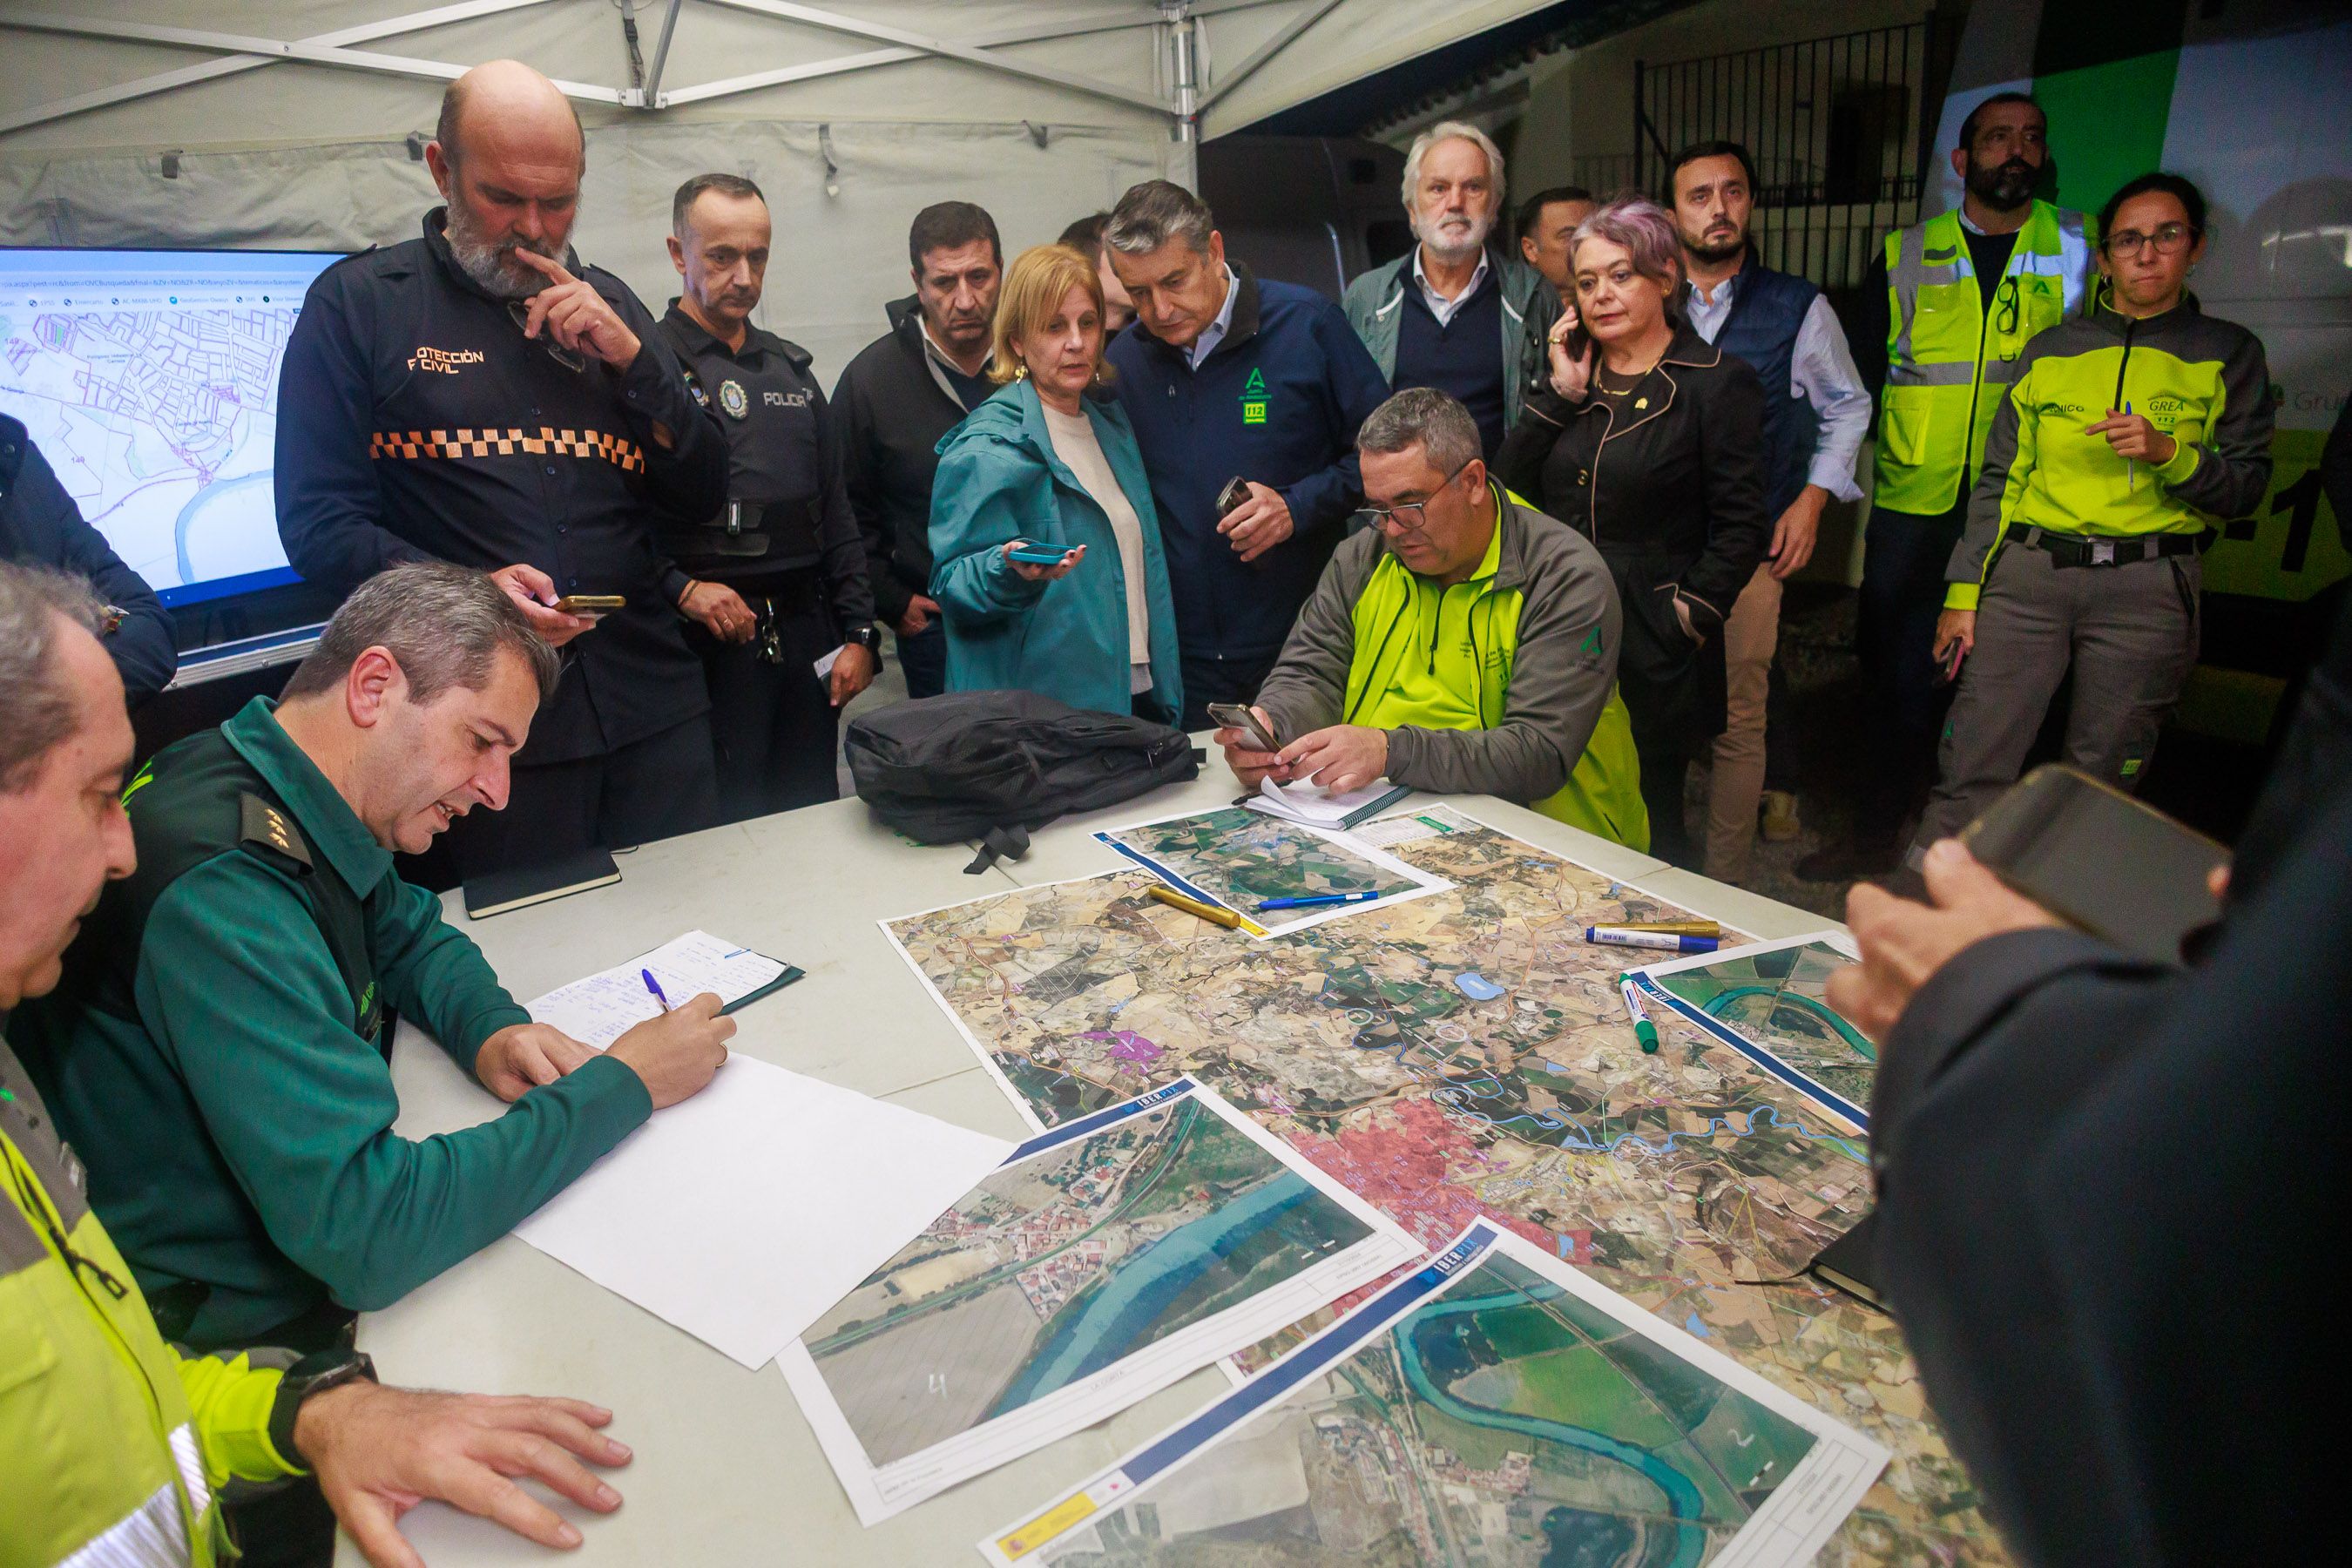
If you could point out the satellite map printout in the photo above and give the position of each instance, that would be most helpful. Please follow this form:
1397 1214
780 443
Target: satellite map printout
1466 1056
1237 856
148 380
1493 1409
1100 1264
1772 998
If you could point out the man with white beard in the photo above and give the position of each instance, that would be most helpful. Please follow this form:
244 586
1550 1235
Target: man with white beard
1458 313
480 395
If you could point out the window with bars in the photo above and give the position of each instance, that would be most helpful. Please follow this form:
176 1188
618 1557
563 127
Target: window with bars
1839 127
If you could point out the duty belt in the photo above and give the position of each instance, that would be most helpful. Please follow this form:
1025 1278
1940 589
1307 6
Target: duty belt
2077 549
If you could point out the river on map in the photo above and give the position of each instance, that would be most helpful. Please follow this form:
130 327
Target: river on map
1682 1494
1118 1318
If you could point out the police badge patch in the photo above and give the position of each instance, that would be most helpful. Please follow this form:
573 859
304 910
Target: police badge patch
734 399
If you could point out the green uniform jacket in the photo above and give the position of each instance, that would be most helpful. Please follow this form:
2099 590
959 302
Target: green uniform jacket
237 1116
1528 674
2201 381
112 1443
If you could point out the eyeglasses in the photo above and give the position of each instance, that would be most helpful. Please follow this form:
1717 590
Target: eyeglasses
2168 239
570 359
2006 304
1412 516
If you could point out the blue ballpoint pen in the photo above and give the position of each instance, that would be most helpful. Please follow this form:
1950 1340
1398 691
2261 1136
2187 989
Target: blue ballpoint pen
1312 901
655 987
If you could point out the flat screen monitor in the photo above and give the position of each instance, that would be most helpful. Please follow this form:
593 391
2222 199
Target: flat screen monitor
149 379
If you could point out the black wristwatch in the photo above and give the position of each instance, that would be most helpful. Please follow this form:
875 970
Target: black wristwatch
314 1374
867 636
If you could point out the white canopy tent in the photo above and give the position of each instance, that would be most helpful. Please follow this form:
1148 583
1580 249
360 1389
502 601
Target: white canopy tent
202 123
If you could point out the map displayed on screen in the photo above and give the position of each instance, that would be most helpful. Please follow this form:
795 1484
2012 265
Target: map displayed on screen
149 379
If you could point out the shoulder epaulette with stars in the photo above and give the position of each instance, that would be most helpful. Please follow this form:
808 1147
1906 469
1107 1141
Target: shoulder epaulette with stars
265 826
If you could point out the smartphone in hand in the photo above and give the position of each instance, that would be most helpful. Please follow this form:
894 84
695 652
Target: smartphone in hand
1235 716
1029 552
590 603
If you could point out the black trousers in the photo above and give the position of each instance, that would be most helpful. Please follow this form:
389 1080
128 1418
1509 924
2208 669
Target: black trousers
1214 677
775 732
1903 561
653 788
923 660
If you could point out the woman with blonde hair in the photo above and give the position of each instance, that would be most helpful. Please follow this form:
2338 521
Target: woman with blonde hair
1050 463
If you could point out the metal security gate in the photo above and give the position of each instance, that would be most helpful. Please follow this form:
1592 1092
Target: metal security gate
1840 128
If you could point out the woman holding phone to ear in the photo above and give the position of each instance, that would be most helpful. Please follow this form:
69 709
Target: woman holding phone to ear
1650 442
2129 435
1050 464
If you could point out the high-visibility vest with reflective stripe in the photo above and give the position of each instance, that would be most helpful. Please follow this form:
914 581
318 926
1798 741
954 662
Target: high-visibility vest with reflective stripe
104 1459
1949 361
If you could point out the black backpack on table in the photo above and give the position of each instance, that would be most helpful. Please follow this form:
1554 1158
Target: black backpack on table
947 769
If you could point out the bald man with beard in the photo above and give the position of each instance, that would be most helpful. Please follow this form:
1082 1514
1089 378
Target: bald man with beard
480 395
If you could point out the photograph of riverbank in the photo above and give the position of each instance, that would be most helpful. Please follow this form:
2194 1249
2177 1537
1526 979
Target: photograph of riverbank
1497 1410
1100 1262
1774 996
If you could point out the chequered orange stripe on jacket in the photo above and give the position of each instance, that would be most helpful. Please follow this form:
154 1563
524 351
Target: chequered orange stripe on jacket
627 455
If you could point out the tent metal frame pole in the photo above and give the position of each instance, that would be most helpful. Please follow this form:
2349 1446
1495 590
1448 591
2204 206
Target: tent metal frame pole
650 94
1266 51
246 53
945 49
727 86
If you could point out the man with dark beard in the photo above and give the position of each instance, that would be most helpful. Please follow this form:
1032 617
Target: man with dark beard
479 396
1947 310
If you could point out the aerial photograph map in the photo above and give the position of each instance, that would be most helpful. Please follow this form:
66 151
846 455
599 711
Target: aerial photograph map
1776 995
1504 1422
1239 856
1093 1268
1465 1054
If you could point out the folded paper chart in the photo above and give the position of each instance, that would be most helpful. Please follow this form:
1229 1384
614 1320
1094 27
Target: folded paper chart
1238 859
743 1213
1494 1408
1103 1261
1770 1001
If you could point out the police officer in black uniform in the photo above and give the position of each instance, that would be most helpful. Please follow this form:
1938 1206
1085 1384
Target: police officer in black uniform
479 396
784 550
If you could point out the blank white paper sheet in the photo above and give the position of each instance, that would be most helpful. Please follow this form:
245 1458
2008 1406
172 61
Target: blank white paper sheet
742 1214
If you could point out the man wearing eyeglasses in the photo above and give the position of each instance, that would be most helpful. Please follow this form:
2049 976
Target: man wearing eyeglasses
479 396
1465 644
1962 294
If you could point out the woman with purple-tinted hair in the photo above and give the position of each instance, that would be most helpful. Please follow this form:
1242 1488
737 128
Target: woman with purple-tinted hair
1650 442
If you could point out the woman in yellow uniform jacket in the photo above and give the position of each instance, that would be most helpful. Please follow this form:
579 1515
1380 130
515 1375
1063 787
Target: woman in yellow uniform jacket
2128 436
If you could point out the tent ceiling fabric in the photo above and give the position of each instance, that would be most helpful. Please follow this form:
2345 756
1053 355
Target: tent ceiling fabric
295 126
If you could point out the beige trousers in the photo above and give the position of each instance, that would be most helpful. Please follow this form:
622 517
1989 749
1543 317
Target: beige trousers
1750 639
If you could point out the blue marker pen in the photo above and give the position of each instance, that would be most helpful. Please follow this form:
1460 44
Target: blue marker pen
655 987
1314 900
1665 942
2131 468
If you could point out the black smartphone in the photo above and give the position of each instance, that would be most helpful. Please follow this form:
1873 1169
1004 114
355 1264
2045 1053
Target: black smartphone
2102 861
1233 497
1235 716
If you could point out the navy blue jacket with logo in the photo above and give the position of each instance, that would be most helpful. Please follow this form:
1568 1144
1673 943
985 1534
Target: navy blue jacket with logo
1277 401
415 422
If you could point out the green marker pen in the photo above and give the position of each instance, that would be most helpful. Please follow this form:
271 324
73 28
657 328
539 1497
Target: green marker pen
1643 1030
